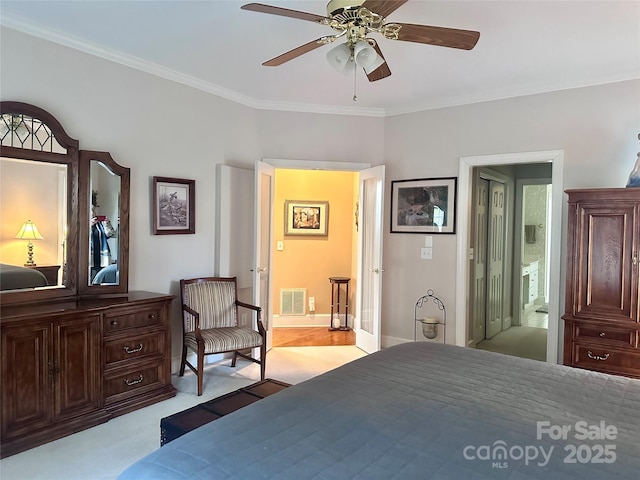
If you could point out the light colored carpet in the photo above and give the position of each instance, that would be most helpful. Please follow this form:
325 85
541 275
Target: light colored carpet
525 342
103 452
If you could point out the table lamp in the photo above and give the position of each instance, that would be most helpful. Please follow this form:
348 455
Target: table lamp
29 231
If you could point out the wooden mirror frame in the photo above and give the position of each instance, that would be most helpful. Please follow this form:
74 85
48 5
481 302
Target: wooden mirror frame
86 157
78 190
71 159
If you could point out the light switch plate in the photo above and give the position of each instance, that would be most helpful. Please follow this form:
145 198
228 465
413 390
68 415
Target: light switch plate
428 241
280 245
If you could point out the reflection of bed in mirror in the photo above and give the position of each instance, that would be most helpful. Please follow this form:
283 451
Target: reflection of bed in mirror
13 277
107 276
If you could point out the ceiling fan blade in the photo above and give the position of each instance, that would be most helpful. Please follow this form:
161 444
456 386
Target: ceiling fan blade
441 36
383 71
383 7
283 12
296 52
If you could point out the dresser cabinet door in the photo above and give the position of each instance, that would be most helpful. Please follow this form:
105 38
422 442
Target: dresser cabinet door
77 360
27 376
605 275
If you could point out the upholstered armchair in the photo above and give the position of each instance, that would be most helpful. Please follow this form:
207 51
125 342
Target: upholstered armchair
210 324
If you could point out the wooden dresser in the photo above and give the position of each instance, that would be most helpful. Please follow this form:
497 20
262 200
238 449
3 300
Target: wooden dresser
602 299
70 365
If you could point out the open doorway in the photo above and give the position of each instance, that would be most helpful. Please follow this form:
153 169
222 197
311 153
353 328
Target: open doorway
512 267
364 191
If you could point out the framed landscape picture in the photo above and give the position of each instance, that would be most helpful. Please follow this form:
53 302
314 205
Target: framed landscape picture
305 217
425 205
174 207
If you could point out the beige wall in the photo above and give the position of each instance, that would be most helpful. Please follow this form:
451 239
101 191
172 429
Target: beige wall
309 261
139 118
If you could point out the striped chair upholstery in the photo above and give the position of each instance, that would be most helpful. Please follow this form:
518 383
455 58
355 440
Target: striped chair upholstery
210 323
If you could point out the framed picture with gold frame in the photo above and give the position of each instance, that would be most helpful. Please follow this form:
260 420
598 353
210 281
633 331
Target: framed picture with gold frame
306 217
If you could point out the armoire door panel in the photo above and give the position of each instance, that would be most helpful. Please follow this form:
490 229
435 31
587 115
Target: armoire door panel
605 277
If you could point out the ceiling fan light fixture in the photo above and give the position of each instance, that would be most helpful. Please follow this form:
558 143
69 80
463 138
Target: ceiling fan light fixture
340 58
375 65
364 54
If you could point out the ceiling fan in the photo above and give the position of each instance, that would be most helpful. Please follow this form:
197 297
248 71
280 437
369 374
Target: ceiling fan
355 20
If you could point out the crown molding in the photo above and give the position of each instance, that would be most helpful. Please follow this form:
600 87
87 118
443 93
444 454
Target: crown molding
15 23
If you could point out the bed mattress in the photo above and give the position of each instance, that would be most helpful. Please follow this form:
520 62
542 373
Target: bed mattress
424 411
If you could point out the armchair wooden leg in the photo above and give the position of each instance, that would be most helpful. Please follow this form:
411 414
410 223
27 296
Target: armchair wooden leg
200 368
184 360
263 360
233 360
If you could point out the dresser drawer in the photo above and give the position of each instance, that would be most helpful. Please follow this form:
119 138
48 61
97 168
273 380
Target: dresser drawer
133 318
133 347
605 335
134 382
605 359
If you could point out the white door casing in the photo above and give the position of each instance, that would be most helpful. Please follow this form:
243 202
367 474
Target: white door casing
556 157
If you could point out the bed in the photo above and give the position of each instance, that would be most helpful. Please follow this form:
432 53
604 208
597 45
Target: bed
13 277
425 411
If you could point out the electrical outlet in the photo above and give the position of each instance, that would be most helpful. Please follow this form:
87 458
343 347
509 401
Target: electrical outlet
312 304
426 253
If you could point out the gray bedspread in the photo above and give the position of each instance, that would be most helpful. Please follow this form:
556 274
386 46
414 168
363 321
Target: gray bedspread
421 411
13 277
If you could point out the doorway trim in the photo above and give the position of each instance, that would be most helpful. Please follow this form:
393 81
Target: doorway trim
465 175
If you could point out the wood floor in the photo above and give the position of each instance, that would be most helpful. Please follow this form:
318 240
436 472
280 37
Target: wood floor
311 337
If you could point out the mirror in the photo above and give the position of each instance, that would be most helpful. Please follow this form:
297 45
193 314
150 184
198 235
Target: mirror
104 244
47 188
38 201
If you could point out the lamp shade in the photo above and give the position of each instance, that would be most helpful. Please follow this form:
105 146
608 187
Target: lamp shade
29 231
340 58
364 54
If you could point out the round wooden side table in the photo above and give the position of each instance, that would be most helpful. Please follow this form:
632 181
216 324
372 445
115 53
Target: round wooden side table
335 302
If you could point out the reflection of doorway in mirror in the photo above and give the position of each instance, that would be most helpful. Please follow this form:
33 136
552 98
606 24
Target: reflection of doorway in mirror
105 202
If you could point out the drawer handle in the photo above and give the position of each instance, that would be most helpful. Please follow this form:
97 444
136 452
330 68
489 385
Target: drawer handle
152 316
597 357
114 322
602 334
130 350
133 382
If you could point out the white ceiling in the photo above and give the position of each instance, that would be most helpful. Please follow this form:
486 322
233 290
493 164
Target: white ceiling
525 47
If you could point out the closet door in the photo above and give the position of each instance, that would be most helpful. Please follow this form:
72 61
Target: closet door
495 259
479 306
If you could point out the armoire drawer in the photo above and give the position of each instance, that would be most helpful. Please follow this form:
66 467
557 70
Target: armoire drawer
133 382
605 359
605 335
133 318
133 347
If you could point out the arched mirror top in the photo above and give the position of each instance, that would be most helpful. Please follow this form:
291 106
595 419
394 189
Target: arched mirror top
38 205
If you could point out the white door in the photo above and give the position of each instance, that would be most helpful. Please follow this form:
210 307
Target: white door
264 184
369 283
479 305
495 259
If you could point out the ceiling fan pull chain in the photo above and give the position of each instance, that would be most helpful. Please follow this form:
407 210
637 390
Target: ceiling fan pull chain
355 76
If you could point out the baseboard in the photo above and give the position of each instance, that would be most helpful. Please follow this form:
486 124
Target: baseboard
309 320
